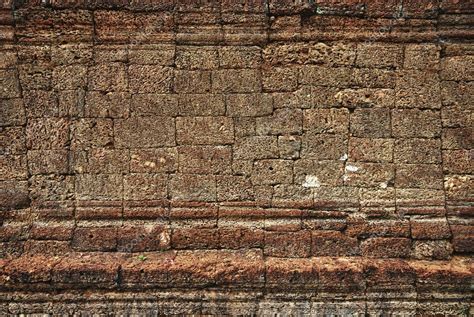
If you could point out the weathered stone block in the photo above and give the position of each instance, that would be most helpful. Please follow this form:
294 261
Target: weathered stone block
457 68
144 186
99 187
9 83
100 160
109 77
431 229
310 174
272 172
95 239
365 97
333 243
12 140
288 244
150 79
143 238
419 176
48 162
379 175
418 89
372 123
34 76
249 105
204 130
379 55
323 146
256 147
13 167
154 105
107 105
458 161
41 103
371 150
47 133
432 250
280 79
192 81
415 123
69 77
236 80
191 57
201 105
414 151
143 132
155 55
205 159
289 146
326 76
91 133
458 138
282 121
234 188
422 56
326 120
12 112
386 247
51 187
193 187
374 78
163 160
240 56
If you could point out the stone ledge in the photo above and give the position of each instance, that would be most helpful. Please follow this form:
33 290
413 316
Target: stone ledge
232 269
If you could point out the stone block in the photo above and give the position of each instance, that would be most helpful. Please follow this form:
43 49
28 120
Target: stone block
107 104
240 56
91 133
154 105
340 77
109 77
144 132
256 147
192 57
47 134
430 229
310 174
419 176
374 78
51 187
12 112
150 79
145 186
416 123
379 55
100 160
282 121
417 151
234 188
371 123
204 130
163 160
249 105
289 146
364 97
288 244
379 175
191 187
280 79
333 243
418 89
98 187
69 77
432 250
33 76
326 120
201 105
48 162
13 167
371 150
9 83
422 56
95 239
457 68
323 146
204 159
12 140
236 81
143 238
272 172
458 138
192 81
386 247
41 103
458 161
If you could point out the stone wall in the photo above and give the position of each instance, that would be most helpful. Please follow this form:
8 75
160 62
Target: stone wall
229 157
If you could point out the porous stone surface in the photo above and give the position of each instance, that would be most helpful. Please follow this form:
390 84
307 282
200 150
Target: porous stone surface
253 157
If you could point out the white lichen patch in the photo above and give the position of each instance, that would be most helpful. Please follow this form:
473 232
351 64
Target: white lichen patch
383 185
311 181
351 168
344 157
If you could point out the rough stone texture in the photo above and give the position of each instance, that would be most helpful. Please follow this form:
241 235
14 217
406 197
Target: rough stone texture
236 157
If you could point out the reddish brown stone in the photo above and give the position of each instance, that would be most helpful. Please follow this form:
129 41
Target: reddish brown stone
288 244
333 243
386 247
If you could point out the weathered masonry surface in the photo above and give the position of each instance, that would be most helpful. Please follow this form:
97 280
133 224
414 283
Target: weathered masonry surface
236 157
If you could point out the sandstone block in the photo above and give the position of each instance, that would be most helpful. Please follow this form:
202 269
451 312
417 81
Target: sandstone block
415 123
12 112
249 105
48 162
91 133
192 81
154 105
145 186
371 150
326 120
107 105
280 79
272 172
282 121
190 187
379 55
256 147
201 105
323 146
98 187
163 160
288 244
236 81
414 151
108 77
419 176
47 133
372 123
69 77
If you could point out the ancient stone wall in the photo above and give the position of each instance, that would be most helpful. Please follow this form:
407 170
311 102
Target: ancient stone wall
236 157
